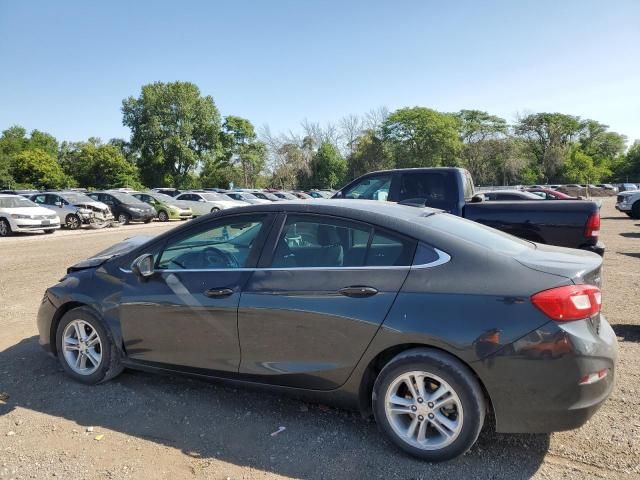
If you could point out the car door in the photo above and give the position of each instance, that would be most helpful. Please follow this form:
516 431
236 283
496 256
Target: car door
185 315
324 287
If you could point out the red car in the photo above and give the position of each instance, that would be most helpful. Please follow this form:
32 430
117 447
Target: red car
550 194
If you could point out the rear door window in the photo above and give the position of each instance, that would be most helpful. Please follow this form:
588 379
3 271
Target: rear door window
433 189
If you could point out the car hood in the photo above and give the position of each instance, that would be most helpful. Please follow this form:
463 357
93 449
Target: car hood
92 205
30 211
628 193
117 249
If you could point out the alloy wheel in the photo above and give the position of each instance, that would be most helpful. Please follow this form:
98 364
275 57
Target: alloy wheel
82 347
423 410
73 222
122 219
4 228
163 217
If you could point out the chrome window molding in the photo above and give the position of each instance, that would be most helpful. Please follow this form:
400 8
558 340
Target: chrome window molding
443 258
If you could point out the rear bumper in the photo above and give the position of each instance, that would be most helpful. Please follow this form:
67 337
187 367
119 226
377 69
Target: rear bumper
597 248
534 383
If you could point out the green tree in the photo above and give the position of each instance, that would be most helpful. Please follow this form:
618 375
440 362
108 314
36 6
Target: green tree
40 169
369 153
548 137
174 129
628 170
421 137
482 136
328 168
94 164
242 148
580 168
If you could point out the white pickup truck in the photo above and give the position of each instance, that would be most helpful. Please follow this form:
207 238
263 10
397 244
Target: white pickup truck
629 203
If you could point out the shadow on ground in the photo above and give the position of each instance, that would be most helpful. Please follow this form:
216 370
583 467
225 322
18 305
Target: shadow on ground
630 254
630 234
207 420
628 333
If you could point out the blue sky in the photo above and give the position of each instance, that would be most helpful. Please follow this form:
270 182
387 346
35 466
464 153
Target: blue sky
65 66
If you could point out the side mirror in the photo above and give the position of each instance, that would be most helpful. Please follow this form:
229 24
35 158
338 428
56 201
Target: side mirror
59 204
479 197
201 200
143 265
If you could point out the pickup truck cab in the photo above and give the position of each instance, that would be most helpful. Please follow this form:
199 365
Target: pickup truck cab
569 223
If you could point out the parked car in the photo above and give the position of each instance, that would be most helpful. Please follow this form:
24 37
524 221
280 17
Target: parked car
509 195
550 194
172 192
245 197
166 207
607 186
285 195
24 193
404 323
319 194
628 187
628 202
74 209
574 224
19 214
302 195
267 196
125 207
202 203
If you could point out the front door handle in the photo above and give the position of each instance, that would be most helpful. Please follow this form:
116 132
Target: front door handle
358 291
218 292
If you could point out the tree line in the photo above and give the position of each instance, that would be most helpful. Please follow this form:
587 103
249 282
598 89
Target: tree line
179 138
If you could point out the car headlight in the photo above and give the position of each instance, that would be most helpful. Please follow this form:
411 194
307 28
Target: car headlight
17 215
174 209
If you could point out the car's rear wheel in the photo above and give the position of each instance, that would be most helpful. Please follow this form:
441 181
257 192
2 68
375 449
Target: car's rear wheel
215 209
5 228
72 222
85 347
162 216
429 404
124 219
635 210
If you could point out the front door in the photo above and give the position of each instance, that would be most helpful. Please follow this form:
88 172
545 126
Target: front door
186 314
307 317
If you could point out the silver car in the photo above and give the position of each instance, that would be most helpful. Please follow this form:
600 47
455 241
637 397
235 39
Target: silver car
202 203
245 197
74 208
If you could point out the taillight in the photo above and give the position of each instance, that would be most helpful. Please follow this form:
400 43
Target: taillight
572 302
592 229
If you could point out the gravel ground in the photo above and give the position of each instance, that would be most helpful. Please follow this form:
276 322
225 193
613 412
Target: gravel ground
150 426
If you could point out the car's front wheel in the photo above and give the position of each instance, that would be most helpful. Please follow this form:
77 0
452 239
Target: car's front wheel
215 209
5 228
124 219
73 222
85 347
429 404
635 210
162 216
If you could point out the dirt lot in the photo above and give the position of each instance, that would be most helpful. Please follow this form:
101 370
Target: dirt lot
149 426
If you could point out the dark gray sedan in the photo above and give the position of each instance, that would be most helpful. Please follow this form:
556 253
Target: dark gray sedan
423 319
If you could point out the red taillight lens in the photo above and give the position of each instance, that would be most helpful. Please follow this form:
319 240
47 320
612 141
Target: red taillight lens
592 229
572 302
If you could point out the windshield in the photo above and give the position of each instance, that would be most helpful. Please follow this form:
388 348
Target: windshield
76 197
476 233
15 202
248 195
125 197
214 196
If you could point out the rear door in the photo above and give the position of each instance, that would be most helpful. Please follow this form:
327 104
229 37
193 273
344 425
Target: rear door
306 318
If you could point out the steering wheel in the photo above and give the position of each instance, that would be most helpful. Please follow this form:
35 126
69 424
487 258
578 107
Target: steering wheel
214 257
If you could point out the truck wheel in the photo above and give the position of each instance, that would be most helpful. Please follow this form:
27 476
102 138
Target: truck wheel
5 228
635 210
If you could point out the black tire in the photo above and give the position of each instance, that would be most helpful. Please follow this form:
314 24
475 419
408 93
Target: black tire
215 209
110 364
635 210
148 220
72 222
124 219
49 231
628 214
5 228
460 379
163 216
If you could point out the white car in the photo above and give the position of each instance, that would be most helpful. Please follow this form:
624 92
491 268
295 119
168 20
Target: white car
629 203
19 214
202 203
246 197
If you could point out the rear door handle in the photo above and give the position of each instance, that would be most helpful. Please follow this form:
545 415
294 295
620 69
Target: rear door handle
218 292
358 291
